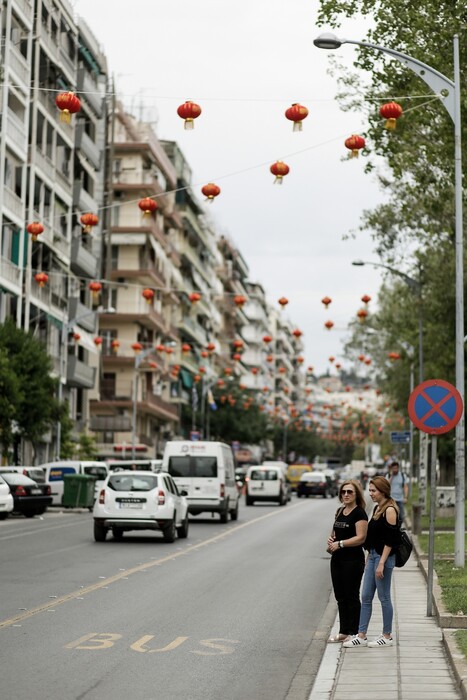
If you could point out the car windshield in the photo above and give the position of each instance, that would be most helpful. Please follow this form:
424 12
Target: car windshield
264 475
17 479
316 476
193 466
99 472
132 482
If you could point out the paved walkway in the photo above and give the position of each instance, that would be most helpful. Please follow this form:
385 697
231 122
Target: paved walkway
415 668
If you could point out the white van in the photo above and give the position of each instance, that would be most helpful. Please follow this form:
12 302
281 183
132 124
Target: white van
150 465
55 471
206 471
267 482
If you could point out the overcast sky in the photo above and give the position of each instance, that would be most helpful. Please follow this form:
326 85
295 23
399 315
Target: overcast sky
245 63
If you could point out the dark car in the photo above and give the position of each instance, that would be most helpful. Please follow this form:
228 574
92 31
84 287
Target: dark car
29 497
313 484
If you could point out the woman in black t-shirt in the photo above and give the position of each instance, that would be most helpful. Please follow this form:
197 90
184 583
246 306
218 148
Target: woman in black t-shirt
348 561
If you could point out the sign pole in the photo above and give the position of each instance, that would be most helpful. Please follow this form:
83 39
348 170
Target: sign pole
431 545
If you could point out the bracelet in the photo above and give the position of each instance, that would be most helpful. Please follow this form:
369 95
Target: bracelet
341 544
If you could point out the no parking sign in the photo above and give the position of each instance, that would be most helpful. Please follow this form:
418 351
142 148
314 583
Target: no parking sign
435 406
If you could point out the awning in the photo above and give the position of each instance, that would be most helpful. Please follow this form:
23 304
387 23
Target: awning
85 339
186 377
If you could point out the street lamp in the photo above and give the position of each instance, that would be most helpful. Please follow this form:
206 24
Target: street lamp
449 93
415 286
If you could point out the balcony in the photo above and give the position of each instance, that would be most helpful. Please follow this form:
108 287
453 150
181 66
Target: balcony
82 200
114 424
82 261
44 164
13 203
9 271
92 94
193 329
50 43
67 63
25 6
20 67
87 147
81 314
79 374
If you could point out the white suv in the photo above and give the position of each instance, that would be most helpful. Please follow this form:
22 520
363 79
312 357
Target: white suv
6 499
140 500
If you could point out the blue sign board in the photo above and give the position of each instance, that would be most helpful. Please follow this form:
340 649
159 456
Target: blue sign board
402 436
435 406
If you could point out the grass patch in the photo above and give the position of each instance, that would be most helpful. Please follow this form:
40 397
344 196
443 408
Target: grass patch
444 543
461 639
453 582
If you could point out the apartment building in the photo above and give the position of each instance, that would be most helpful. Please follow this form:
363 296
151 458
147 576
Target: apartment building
53 172
133 414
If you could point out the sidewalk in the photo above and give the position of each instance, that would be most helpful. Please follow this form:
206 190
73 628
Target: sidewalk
415 668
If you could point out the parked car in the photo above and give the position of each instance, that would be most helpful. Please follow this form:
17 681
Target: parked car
55 471
313 484
266 483
29 497
140 500
6 499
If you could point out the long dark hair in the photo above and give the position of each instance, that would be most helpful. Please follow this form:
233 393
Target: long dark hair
383 485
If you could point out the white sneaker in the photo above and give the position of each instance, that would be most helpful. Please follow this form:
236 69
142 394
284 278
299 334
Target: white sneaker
356 641
381 642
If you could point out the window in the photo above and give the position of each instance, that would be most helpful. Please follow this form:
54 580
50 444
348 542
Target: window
127 482
179 466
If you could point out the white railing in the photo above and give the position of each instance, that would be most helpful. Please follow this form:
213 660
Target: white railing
9 271
13 202
20 66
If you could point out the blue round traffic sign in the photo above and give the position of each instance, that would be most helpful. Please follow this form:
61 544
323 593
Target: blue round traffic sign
435 406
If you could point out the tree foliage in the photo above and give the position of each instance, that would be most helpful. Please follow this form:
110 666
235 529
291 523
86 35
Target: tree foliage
25 376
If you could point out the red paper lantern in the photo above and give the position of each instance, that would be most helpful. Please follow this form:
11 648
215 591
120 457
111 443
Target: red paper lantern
338 365
211 191
296 114
148 206
148 294
68 104
254 370
367 361
297 333
35 229
283 301
160 348
238 344
362 314
329 325
211 347
204 354
331 359
270 358
267 338
189 111
115 344
326 301
186 348
194 297
237 357
300 360
136 347
202 370
354 143
310 368
282 370
76 337
228 371
89 220
280 170
168 350
366 299
394 356
41 278
391 111
240 300
97 341
95 288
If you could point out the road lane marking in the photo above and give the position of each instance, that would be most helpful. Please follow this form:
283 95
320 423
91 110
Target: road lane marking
136 569
37 530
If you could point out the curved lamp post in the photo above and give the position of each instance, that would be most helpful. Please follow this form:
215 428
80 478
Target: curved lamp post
449 93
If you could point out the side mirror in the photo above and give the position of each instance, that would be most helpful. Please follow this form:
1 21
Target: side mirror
183 493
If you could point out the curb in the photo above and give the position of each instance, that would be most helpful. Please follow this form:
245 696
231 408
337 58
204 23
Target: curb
448 624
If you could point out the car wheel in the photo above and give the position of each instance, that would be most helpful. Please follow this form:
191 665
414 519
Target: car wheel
282 500
325 494
182 531
29 513
100 532
41 511
306 495
225 513
299 495
248 501
170 531
117 533
234 512
3 516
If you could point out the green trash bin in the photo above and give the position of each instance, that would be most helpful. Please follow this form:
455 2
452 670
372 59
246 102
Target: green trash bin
78 491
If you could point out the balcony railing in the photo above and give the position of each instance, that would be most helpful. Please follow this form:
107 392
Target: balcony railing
82 261
9 271
79 374
13 202
87 146
20 66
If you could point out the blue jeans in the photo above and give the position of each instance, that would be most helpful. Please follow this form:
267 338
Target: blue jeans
383 586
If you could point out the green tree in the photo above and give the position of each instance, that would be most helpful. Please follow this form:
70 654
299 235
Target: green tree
28 369
9 396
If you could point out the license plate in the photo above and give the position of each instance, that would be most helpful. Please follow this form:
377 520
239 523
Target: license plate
36 491
131 505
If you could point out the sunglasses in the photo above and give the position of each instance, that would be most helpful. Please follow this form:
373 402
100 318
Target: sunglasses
347 491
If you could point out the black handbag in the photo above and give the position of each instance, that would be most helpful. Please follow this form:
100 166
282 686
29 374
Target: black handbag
404 549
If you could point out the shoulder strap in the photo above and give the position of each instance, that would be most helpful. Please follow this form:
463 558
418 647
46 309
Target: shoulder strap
338 512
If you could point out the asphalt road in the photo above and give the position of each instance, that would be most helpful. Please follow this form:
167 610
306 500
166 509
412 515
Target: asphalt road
228 613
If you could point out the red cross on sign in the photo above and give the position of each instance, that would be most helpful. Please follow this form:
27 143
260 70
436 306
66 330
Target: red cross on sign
435 406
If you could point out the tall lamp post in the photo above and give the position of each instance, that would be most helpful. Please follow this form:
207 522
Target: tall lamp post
449 93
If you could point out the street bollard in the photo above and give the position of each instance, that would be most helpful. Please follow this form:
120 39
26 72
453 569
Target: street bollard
417 510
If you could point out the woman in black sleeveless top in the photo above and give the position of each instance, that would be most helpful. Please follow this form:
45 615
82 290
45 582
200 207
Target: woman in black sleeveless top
348 561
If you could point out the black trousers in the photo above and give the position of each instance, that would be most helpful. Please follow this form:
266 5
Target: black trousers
346 578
